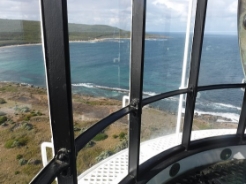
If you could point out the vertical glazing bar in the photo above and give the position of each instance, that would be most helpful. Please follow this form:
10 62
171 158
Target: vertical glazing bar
136 82
184 68
56 51
242 120
194 70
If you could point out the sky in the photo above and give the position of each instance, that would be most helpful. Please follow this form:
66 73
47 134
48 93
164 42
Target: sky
162 15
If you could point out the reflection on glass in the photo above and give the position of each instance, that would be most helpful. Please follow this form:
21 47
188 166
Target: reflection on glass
166 65
165 50
159 127
217 109
24 116
99 56
105 145
100 48
220 60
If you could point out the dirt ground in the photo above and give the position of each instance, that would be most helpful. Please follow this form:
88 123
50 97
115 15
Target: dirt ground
27 126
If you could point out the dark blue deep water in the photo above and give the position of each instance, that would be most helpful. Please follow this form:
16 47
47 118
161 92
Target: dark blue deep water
102 69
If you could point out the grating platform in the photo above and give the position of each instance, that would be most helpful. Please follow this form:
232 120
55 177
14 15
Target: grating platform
113 169
227 172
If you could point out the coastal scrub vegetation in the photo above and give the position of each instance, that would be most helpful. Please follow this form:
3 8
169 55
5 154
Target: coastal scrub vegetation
25 125
2 101
3 119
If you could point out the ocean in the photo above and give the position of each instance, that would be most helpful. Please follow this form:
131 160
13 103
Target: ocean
101 68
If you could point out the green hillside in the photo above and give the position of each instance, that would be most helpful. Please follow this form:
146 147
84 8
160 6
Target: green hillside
24 31
14 32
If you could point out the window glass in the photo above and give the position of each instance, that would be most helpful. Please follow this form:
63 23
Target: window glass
216 111
220 60
160 127
99 35
169 32
24 116
165 45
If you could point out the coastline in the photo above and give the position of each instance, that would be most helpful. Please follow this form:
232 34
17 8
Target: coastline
80 41
19 45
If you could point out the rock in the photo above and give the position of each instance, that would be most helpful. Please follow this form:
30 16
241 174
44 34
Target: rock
34 162
2 101
27 126
2 113
22 161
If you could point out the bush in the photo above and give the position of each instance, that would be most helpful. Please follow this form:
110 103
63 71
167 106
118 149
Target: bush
34 162
2 113
27 126
115 136
90 144
103 155
2 101
22 161
17 172
100 137
9 143
76 129
10 121
3 119
22 141
122 135
22 109
19 156
36 113
121 146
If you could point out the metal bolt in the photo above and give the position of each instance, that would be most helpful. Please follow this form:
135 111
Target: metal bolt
62 155
135 102
174 169
225 154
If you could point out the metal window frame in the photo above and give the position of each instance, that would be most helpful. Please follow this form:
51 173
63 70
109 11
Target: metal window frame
194 70
56 51
56 45
136 83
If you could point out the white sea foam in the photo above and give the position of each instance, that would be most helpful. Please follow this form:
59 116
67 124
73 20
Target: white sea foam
150 93
118 40
227 106
222 116
155 39
19 45
232 117
87 85
91 85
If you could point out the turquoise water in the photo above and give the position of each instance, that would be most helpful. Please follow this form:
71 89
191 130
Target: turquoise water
102 69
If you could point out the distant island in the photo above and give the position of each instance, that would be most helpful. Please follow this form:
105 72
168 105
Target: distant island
16 32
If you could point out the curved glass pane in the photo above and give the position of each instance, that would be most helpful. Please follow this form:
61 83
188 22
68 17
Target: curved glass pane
165 50
217 112
220 61
99 56
24 116
160 127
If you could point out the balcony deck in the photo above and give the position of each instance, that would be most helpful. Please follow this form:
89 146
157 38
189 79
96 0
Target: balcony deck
115 168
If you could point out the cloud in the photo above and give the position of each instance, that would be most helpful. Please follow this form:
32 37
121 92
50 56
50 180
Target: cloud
113 13
162 15
168 15
16 9
221 16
